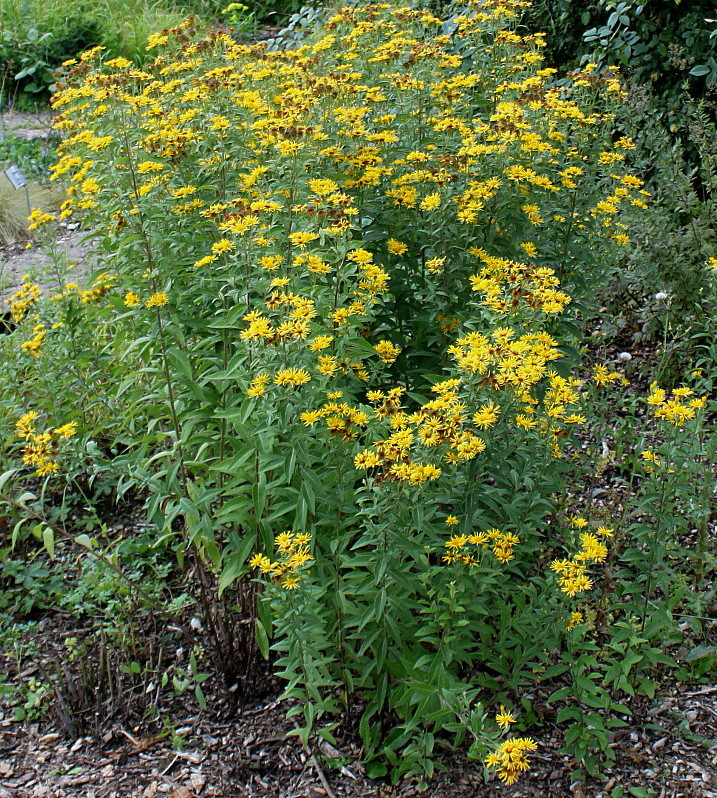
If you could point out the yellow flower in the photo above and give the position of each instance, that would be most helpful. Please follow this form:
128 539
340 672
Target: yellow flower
118 63
283 541
504 718
292 378
257 387
290 582
457 542
131 299
260 561
149 166
320 342
157 300
396 247
221 246
366 459
66 431
431 202
37 218
387 351
510 758
302 239
576 619
47 467
24 426
486 416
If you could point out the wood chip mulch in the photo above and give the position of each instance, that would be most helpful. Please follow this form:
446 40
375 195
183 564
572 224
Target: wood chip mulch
670 750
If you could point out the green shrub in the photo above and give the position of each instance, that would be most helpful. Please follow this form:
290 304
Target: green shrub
336 353
659 43
36 37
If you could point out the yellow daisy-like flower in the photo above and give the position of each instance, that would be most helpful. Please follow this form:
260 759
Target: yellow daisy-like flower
292 378
257 387
366 459
283 541
396 247
66 430
387 351
24 427
431 202
290 582
157 300
504 718
221 246
576 619
457 542
301 239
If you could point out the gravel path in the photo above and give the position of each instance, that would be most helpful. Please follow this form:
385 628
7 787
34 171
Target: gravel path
27 126
73 247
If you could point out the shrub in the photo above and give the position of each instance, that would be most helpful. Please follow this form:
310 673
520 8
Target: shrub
35 38
337 351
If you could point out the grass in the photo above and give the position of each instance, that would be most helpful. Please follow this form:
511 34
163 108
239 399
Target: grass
33 157
13 208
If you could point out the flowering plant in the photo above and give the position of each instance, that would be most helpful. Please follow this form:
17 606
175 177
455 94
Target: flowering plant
344 281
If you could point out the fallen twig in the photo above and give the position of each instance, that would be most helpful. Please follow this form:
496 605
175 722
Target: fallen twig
317 767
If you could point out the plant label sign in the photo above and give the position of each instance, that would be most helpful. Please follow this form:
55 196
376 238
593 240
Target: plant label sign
16 177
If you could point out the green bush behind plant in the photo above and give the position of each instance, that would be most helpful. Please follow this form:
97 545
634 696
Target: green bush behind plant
667 51
36 37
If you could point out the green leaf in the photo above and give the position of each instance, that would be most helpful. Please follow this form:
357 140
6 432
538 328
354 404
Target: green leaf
180 362
698 652
48 540
6 476
570 712
262 639
700 70
86 541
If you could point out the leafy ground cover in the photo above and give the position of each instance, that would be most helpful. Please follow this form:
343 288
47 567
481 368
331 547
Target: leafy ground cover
353 371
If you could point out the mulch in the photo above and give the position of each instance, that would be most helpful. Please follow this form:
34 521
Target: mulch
670 748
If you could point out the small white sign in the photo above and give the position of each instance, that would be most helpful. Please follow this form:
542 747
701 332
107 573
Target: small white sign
16 177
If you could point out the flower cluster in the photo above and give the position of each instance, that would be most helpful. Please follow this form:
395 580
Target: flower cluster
339 417
572 574
676 410
500 543
441 427
603 376
506 284
39 217
41 448
294 554
101 285
23 299
511 758
33 345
